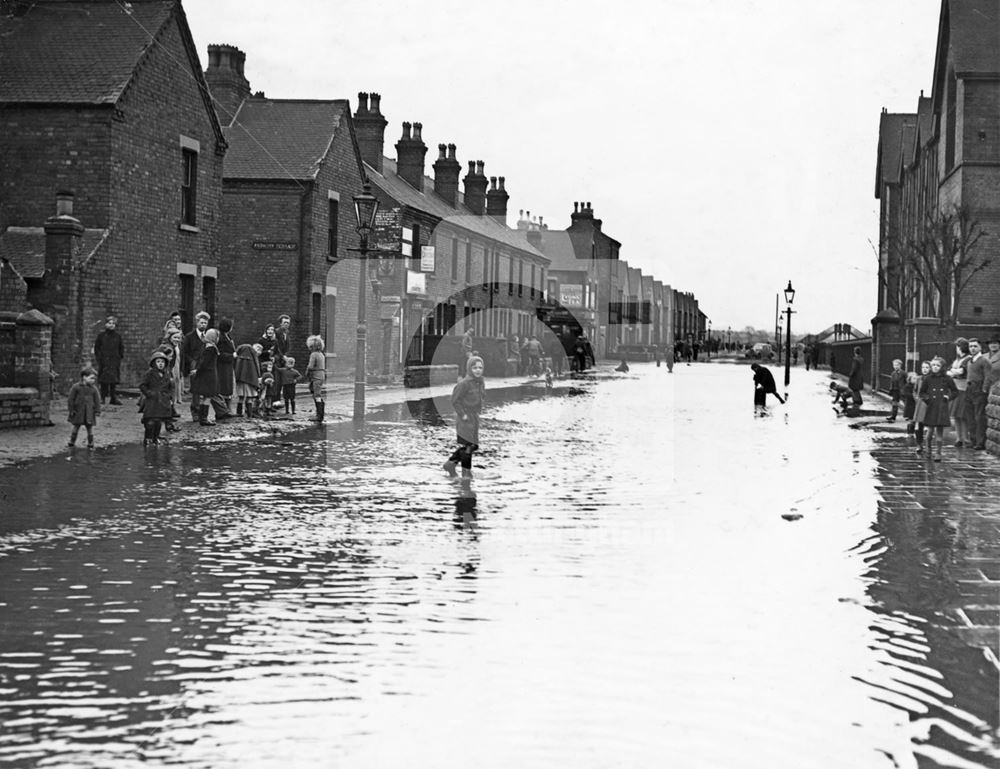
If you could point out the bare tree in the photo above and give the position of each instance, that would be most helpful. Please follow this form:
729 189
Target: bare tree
944 256
899 285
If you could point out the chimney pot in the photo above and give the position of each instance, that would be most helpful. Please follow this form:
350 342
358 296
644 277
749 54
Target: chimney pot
480 165
369 126
576 208
493 182
406 130
376 99
500 180
441 152
451 151
417 128
362 101
472 168
64 203
589 207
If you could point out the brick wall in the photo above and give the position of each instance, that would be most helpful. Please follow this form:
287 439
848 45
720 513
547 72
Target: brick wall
47 149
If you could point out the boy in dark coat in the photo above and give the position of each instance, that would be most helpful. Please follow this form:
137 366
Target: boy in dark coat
84 404
157 390
109 349
289 376
896 381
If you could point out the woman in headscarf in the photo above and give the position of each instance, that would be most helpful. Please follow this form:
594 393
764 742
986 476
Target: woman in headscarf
205 380
247 373
227 360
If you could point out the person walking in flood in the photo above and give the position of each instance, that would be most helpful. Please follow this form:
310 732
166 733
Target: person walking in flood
157 389
467 400
763 384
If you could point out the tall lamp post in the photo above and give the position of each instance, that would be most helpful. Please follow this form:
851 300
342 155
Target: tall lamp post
365 208
789 298
709 345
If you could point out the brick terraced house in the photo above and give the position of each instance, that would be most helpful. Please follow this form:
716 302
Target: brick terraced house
106 101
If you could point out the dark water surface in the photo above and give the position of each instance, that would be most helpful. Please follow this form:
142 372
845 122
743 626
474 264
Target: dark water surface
615 587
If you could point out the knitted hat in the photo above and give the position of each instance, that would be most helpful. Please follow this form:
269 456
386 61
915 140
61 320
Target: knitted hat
469 363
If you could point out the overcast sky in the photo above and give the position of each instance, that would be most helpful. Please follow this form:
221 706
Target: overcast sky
728 144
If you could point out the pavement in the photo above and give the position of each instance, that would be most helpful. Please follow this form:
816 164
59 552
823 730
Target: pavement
121 424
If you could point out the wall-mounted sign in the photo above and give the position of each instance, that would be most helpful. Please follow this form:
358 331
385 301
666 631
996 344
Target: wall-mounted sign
275 245
427 258
416 283
571 295
391 299
387 234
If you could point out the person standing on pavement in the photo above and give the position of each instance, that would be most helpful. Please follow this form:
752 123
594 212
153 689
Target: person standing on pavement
205 381
959 372
993 357
84 404
896 381
920 405
534 356
937 391
466 345
246 370
227 362
556 353
109 349
856 380
268 341
975 395
467 398
191 349
763 384
282 342
315 374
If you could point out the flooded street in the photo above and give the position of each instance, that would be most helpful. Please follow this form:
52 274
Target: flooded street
616 584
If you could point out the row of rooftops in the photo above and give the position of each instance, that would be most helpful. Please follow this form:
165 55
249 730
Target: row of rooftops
968 46
100 45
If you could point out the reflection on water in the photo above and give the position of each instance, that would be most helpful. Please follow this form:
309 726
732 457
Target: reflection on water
615 584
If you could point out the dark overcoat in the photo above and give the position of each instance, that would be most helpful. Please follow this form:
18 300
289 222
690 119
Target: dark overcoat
205 380
191 349
158 390
467 399
109 349
226 364
84 404
937 391
856 381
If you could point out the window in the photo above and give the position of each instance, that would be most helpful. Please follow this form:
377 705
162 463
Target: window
454 258
189 186
208 297
187 302
317 312
950 122
532 281
520 278
510 276
415 261
331 322
332 242
468 262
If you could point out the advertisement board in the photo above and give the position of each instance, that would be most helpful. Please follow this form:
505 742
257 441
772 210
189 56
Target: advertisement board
571 295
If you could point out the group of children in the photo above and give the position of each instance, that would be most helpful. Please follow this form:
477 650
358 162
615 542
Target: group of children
927 399
260 388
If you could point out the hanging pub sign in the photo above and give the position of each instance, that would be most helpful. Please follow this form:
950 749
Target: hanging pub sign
416 283
387 235
427 258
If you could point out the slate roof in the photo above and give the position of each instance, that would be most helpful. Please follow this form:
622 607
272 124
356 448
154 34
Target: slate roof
975 35
922 132
76 51
890 147
558 249
24 248
282 138
431 203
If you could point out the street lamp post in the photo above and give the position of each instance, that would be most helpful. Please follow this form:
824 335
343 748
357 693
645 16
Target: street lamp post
729 338
709 339
365 208
789 298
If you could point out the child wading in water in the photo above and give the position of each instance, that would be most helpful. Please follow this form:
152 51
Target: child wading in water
157 389
84 404
316 374
467 398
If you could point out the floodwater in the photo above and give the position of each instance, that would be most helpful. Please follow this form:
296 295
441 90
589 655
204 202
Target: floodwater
616 586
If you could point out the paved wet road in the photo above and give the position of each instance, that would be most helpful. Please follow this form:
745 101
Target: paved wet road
616 585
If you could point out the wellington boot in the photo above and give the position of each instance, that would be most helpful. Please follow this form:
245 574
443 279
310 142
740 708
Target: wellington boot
239 409
203 417
320 411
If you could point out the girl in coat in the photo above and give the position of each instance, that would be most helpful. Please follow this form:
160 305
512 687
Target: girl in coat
315 374
247 372
959 373
467 398
205 379
937 391
84 404
157 390
919 407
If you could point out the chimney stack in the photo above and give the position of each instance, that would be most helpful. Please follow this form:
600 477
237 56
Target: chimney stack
410 151
496 200
475 188
369 127
446 171
226 81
